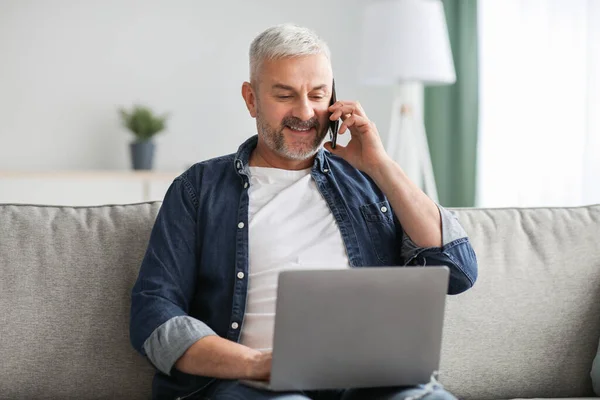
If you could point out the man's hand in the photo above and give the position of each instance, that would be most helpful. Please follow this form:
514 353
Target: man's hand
419 216
259 367
365 150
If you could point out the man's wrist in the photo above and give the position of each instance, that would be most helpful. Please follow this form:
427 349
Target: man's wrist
379 170
251 360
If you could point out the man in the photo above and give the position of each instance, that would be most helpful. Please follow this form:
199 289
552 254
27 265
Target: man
203 305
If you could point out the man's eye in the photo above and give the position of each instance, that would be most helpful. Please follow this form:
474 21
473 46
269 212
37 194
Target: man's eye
284 97
318 97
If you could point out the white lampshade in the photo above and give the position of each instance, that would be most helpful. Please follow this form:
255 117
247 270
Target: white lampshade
405 41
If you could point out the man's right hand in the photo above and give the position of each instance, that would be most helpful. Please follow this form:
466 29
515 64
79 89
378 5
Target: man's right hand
260 366
221 358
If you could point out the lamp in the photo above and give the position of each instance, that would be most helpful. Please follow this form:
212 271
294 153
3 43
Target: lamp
405 43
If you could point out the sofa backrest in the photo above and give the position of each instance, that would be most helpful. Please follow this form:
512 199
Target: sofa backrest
528 328
66 277
530 325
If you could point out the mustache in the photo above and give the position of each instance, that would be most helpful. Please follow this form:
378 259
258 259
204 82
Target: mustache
298 123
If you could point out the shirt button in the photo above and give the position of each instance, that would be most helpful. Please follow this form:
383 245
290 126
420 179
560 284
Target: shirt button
245 185
235 325
384 209
239 165
241 225
326 170
240 275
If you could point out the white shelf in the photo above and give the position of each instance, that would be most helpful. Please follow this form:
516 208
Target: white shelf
91 174
77 188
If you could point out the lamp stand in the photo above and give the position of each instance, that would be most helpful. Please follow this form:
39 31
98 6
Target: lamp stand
407 140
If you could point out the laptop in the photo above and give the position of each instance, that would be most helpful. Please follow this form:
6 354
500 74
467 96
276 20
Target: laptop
357 327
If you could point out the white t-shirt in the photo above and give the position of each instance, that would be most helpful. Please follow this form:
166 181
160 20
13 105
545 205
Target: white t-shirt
290 227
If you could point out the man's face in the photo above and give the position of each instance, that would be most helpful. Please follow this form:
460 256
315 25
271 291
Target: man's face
292 99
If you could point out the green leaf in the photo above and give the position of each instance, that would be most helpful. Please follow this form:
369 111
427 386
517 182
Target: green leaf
142 122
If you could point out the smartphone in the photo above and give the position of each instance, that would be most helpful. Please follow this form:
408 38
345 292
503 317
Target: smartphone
333 125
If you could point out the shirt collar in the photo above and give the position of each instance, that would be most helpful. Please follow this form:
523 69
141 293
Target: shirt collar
242 157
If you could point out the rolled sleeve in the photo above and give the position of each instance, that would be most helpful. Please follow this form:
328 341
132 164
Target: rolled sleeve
456 253
170 340
452 230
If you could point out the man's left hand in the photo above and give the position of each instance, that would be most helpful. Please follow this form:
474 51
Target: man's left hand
365 150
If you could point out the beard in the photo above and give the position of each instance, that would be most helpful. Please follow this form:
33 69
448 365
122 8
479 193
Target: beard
275 139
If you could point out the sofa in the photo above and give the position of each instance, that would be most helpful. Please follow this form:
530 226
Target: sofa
529 328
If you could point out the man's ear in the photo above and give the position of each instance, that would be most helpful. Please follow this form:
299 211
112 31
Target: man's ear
249 97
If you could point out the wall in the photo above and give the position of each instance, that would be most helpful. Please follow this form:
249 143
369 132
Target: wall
66 65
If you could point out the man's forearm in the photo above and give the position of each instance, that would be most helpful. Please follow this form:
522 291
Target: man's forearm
417 213
220 358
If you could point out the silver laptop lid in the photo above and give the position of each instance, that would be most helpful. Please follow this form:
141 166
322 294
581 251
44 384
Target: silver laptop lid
360 327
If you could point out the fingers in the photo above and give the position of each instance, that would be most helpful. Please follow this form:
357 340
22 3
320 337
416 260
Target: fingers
340 108
339 114
361 124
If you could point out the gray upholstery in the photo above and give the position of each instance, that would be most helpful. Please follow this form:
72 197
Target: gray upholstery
64 301
530 325
529 328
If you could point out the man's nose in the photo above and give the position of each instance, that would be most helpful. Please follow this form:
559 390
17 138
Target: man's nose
303 110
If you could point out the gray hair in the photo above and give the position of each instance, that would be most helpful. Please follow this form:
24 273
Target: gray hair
285 40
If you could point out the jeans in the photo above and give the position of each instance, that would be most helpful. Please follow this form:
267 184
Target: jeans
233 390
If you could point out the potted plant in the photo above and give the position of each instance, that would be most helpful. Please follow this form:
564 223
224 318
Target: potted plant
144 124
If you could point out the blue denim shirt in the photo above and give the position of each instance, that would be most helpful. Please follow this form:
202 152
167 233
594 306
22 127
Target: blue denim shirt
189 285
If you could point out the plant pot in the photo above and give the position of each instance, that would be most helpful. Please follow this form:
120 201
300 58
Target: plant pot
142 154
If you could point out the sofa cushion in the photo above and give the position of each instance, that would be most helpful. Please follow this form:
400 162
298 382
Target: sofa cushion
530 325
67 274
528 328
